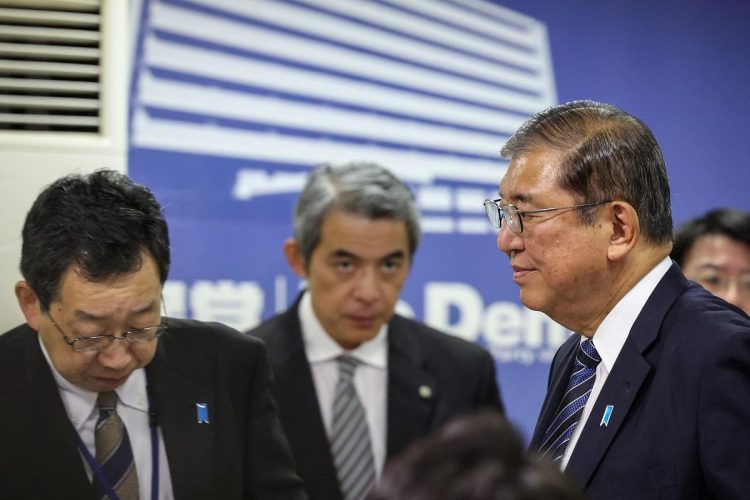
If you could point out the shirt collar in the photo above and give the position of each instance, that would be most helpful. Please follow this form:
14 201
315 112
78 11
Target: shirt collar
614 330
80 403
320 347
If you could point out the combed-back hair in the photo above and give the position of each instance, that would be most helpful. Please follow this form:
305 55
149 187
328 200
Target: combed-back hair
606 154
732 223
364 189
97 224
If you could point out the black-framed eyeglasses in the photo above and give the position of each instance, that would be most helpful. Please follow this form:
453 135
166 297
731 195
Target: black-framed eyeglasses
101 342
514 217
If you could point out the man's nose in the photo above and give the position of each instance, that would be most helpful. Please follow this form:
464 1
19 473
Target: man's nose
367 288
117 355
508 241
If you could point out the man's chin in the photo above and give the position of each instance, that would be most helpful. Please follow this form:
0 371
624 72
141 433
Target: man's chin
103 384
530 300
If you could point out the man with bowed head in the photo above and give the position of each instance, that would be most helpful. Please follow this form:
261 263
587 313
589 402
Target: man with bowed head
355 382
649 398
101 395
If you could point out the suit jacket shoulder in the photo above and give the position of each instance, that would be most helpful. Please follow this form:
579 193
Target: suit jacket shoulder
677 414
299 411
240 452
37 441
433 377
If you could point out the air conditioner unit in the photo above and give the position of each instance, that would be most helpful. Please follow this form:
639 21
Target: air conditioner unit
64 70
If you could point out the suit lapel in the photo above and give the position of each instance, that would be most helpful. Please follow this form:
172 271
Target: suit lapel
412 391
560 374
619 391
45 426
188 443
626 379
299 409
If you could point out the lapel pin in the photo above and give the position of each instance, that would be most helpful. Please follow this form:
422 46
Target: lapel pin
202 412
425 391
607 414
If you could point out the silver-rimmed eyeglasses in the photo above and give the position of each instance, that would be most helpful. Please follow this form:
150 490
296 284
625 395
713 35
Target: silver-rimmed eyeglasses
514 217
101 342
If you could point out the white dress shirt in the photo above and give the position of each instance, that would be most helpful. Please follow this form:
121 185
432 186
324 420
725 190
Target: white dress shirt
133 410
370 377
610 337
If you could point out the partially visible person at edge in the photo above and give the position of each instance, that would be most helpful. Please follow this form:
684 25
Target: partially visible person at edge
104 397
714 251
356 229
650 397
474 457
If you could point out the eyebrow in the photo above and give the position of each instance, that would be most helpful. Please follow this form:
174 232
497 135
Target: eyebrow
341 253
518 198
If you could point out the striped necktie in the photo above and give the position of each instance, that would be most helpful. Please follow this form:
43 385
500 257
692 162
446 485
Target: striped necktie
113 453
350 436
571 407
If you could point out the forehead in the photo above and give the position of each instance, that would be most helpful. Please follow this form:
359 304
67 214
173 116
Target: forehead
531 175
720 250
130 289
361 235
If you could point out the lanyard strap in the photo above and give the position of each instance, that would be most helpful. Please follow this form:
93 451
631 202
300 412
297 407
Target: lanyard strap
99 474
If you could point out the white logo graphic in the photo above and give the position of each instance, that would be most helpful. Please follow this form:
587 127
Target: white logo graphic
430 90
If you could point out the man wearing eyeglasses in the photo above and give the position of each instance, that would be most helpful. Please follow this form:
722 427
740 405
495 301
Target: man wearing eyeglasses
650 398
101 396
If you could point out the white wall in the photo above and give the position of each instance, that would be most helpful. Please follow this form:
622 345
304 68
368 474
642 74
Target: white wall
30 161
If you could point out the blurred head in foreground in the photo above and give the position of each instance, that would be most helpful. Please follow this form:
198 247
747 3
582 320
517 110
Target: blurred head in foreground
477 457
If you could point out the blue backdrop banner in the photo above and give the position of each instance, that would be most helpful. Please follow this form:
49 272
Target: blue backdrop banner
234 101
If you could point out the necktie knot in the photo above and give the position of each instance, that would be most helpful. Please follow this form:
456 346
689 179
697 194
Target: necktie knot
107 400
587 354
347 365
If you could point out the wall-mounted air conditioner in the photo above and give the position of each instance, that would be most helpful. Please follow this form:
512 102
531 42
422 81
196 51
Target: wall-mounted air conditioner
64 67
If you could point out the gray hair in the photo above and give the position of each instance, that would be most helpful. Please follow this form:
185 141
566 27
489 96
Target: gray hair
363 189
607 154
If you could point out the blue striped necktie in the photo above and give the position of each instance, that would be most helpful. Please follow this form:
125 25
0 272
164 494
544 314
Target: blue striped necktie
113 452
350 436
571 407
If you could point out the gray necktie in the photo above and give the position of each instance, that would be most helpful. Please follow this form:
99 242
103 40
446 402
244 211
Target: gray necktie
350 436
113 452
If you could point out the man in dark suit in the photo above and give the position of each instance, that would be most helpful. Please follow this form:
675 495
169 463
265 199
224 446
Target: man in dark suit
650 399
184 408
356 228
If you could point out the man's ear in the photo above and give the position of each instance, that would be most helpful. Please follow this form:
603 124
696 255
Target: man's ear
626 230
294 257
29 303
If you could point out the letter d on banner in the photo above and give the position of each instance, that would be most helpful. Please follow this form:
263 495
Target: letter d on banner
439 298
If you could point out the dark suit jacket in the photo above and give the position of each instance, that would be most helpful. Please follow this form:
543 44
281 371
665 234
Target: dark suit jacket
460 374
241 453
680 428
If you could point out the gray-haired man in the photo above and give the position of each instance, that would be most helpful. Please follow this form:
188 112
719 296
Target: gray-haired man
356 228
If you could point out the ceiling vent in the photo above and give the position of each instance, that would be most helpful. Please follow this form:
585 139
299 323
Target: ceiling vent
50 78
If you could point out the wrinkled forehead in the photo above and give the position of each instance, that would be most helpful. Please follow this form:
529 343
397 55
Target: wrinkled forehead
531 175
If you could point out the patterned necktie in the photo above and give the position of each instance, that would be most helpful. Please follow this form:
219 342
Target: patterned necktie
571 407
350 436
113 453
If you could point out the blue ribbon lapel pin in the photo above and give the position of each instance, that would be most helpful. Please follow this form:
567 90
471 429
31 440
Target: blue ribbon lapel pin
201 410
607 415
